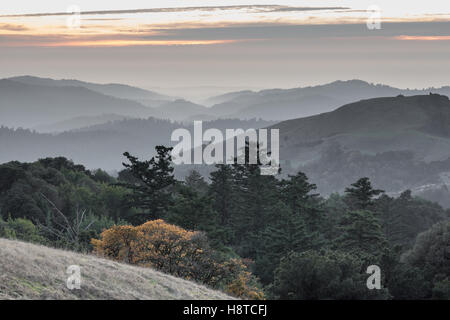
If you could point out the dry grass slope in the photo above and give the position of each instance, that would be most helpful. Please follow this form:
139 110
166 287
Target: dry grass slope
29 271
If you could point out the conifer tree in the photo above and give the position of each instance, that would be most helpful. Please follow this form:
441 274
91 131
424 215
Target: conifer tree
361 194
361 234
151 194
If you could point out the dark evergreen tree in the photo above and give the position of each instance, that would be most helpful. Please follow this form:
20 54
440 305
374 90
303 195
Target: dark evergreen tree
361 194
296 193
287 233
362 235
152 194
254 207
221 189
196 181
191 210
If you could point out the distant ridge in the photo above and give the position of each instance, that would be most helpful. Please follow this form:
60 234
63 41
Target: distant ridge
78 122
30 105
111 89
284 104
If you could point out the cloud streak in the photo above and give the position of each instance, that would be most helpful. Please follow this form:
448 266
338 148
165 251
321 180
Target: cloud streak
423 38
12 27
131 43
256 8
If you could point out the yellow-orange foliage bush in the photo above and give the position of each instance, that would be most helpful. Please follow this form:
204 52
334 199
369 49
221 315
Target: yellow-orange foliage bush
117 243
176 251
241 283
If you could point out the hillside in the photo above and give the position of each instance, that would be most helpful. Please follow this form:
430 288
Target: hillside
102 145
30 271
77 123
111 89
27 105
398 142
284 104
180 110
420 124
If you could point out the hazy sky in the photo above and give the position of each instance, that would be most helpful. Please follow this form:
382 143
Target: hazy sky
257 44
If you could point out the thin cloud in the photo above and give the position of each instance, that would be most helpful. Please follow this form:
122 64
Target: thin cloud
130 43
263 8
102 19
423 38
288 9
130 40
12 27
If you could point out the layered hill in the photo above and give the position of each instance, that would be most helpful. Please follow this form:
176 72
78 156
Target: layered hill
102 145
116 90
284 104
29 271
77 123
181 110
420 124
398 142
30 105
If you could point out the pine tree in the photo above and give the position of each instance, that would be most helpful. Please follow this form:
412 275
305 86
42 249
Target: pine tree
361 195
296 192
221 190
361 234
151 194
254 207
287 233
196 181
191 210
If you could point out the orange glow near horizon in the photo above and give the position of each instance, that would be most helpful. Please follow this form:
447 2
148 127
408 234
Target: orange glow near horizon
125 43
423 38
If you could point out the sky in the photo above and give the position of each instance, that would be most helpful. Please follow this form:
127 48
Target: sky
188 44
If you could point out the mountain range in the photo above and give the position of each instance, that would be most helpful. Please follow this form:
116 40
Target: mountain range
33 102
116 90
30 105
284 104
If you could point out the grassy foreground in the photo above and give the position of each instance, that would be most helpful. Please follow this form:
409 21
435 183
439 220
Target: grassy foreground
29 271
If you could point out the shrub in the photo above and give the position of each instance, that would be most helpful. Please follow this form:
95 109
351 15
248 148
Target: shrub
179 252
314 275
21 229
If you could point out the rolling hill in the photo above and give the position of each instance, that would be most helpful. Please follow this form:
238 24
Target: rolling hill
77 123
102 145
284 104
116 90
398 142
29 271
180 110
30 105
420 124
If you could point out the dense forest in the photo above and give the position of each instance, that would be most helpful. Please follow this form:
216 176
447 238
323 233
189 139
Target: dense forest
250 235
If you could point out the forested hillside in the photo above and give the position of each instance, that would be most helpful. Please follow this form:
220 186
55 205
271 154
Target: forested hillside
101 145
250 235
